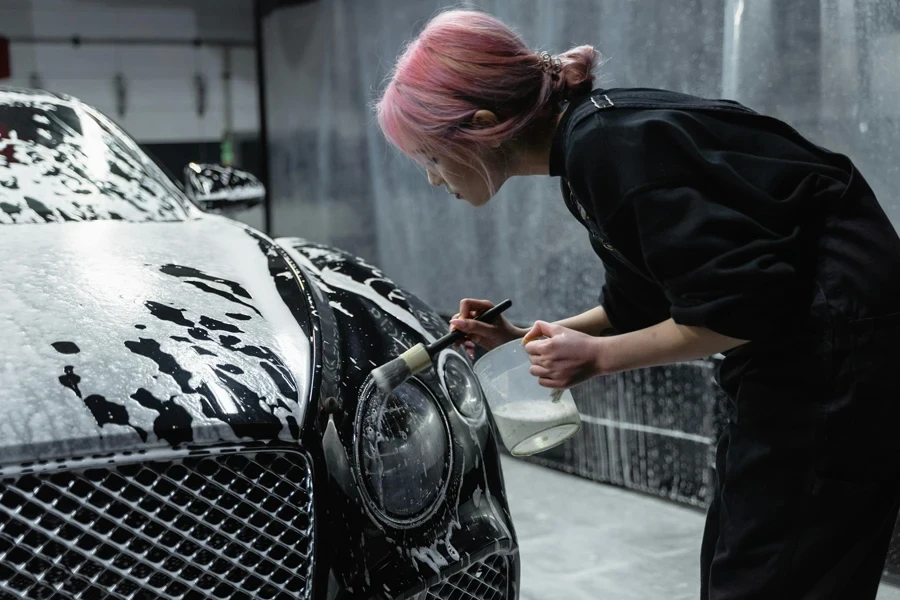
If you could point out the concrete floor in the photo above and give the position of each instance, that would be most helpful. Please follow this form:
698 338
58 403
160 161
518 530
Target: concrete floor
581 540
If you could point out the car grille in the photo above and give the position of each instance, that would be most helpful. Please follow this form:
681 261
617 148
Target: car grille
485 580
237 525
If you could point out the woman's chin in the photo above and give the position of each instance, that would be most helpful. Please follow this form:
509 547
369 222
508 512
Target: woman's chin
481 199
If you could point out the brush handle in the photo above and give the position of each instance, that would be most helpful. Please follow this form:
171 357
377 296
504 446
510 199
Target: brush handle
457 334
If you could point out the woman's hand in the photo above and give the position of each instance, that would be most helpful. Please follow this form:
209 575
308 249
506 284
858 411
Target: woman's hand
486 335
566 358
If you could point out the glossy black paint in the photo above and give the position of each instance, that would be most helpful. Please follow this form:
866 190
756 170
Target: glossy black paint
217 186
368 556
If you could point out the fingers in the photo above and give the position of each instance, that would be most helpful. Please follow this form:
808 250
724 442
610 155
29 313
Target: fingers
541 360
455 318
468 306
539 371
474 330
467 343
472 315
541 329
550 383
537 348
533 334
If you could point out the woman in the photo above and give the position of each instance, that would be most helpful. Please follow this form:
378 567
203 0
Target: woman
721 231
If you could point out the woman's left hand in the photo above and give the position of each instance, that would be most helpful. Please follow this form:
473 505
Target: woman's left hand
566 358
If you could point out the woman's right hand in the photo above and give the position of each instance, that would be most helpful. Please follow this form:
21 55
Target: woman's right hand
485 335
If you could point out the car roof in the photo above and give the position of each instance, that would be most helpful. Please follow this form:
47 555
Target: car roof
37 94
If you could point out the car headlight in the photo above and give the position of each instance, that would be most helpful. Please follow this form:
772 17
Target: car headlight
403 452
461 384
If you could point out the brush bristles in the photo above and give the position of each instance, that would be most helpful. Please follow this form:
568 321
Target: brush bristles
392 374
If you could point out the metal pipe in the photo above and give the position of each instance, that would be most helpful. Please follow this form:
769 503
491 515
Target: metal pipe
228 134
263 122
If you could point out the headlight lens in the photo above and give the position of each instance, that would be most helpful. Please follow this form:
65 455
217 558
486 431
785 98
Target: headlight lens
461 384
404 451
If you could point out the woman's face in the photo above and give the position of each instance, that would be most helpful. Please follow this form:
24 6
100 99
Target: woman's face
462 180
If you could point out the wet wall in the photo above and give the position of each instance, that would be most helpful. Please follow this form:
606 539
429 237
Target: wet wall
335 180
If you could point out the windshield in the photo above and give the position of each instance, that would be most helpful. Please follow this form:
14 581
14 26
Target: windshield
61 160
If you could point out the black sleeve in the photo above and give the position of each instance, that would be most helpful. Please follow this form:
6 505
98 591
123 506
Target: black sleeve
719 268
630 301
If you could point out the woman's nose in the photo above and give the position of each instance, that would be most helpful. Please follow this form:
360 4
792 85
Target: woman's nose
433 179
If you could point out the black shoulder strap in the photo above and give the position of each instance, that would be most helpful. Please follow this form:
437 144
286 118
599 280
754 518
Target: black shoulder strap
648 98
664 99
598 237
641 98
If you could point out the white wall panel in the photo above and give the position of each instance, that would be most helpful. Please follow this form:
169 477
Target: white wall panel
160 89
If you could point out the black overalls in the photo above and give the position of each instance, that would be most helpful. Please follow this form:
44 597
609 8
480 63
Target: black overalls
708 213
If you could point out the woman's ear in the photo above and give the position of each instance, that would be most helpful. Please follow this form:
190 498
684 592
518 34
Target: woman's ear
483 119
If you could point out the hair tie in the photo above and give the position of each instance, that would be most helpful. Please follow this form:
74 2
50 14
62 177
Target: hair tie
551 65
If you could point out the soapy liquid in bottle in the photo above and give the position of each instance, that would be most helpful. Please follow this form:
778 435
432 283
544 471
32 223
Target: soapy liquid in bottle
529 426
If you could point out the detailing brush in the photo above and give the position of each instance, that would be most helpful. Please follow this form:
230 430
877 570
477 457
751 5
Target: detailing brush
419 357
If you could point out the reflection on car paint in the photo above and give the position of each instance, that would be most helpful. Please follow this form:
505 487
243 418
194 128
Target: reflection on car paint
211 182
332 269
62 162
227 351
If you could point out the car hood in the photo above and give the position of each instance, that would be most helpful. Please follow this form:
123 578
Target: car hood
119 336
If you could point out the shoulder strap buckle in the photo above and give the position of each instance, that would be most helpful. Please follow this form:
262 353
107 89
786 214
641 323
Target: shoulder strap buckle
604 101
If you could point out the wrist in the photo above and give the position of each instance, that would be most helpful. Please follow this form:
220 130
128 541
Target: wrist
605 355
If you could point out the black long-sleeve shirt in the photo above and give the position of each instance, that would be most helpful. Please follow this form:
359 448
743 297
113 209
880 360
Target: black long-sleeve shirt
716 216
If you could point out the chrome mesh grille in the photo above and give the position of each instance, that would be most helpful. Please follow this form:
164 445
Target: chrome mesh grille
218 526
485 580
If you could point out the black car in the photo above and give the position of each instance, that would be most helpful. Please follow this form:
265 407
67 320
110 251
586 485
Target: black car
186 406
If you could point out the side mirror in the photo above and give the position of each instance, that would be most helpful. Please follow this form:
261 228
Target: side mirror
218 186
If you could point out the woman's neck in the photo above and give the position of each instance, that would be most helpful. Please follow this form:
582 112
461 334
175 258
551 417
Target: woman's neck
532 154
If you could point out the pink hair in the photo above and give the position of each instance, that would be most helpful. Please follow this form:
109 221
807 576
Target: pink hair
464 61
